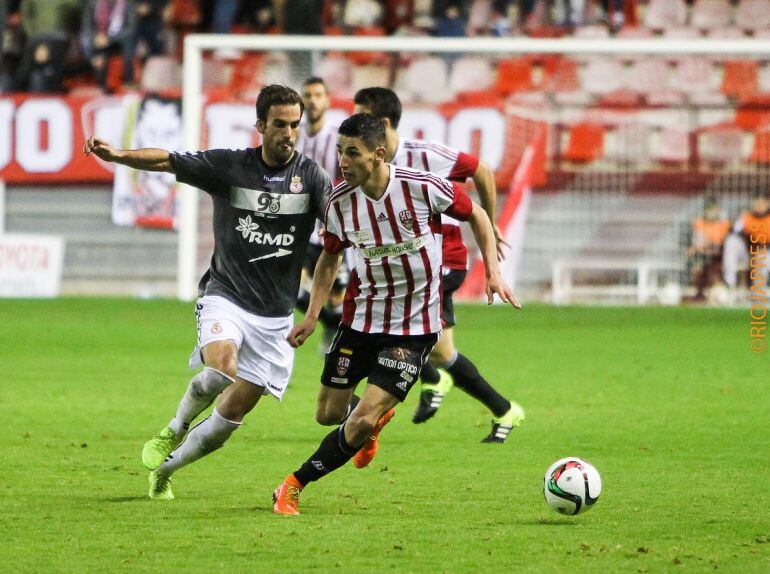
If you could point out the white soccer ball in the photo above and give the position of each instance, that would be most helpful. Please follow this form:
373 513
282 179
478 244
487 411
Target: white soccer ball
571 485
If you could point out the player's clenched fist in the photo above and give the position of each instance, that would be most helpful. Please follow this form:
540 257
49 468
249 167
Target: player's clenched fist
100 149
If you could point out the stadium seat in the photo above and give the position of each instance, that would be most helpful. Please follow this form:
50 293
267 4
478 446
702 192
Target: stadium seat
753 14
760 153
728 33
681 33
514 75
246 75
635 32
430 72
602 75
163 73
592 32
721 144
754 113
764 77
561 75
694 75
364 58
338 74
672 146
662 14
710 14
471 73
740 78
586 142
367 76
628 142
648 75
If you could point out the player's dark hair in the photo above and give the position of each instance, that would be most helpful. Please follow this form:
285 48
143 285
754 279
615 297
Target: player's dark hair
315 80
276 95
367 127
382 103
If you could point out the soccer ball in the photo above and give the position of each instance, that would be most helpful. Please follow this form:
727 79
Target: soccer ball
571 485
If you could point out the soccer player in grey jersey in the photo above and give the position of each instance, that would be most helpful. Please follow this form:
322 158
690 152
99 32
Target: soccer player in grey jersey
266 201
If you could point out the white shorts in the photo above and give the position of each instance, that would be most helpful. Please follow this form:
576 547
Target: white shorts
264 356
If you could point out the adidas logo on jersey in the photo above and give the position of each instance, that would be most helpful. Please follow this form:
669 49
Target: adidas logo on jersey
382 217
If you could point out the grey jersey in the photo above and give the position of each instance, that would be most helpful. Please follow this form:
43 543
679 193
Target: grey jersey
263 218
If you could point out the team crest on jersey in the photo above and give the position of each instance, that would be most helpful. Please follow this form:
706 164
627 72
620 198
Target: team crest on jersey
343 364
406 219
216 328
296 184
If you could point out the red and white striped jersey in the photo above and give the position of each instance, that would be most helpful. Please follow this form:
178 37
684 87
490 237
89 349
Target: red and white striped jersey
449 164
396 284
322 149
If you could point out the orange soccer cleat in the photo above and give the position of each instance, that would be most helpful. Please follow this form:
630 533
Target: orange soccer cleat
365 455
286 496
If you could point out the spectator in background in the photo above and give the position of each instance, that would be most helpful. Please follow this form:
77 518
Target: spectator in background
11 52
259 15
49 26
362 13
146 17
107 30
219 15
451 18
705 253
613 13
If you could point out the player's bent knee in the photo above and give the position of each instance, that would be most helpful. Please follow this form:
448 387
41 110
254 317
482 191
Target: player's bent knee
328 417
362 424
209 383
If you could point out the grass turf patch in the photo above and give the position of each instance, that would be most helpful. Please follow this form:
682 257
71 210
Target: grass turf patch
669 404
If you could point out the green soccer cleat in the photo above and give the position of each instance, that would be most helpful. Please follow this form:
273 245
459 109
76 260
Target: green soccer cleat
503 425
431 397
160 486
159 447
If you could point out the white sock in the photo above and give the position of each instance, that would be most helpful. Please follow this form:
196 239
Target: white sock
201 392
205 437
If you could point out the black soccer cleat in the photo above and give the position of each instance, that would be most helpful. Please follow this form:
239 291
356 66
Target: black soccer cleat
427 406
505 424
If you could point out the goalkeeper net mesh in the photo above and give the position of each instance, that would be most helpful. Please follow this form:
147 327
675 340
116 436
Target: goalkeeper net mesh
605 158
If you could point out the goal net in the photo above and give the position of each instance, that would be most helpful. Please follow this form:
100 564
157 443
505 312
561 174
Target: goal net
618 162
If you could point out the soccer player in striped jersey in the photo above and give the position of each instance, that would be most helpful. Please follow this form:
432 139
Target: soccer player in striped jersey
392 316
446 365
318 141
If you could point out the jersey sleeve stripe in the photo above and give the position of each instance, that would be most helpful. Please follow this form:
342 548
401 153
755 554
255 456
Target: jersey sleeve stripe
442 185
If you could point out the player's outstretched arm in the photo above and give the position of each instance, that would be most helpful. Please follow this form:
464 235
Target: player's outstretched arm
484 180
323 278
484 234
147 159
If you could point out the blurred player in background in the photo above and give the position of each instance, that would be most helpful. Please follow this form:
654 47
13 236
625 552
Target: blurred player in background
751 230
446 365
318 141
705 253
392 320
266 201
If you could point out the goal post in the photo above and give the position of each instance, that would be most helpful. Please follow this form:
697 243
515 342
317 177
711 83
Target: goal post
556 116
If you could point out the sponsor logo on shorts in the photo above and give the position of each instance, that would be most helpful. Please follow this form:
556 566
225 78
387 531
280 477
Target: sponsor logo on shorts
346 351
407 377
397 365
395 250
405 217
296 184
343 364
402 385
216 328
339 380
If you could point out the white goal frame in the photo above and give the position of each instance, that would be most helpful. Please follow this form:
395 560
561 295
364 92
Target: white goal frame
192 95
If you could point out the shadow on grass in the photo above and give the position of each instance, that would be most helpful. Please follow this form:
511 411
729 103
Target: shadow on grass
136 498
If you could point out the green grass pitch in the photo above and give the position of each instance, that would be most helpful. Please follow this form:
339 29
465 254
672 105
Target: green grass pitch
669 404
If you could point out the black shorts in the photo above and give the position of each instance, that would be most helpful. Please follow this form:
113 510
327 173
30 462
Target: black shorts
450 283
312 254
391 362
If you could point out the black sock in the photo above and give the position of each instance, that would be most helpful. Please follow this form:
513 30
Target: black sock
333 452
330 317
467 377
303 300
353 402
429 374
